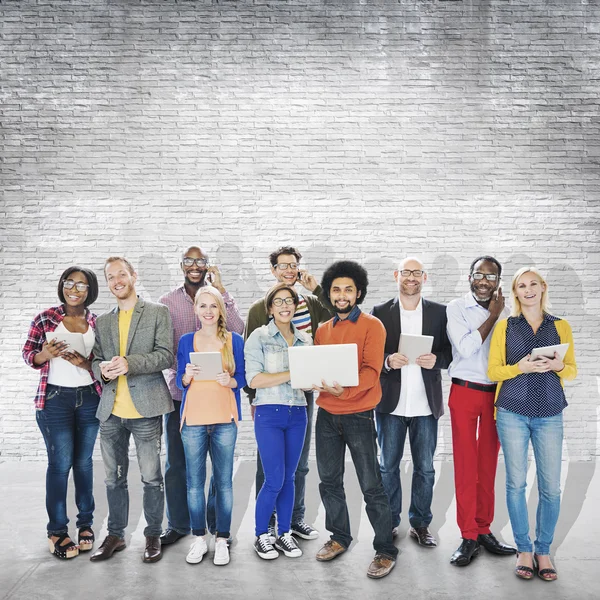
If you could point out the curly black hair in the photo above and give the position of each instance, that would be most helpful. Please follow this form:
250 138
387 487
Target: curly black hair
487 259
350 269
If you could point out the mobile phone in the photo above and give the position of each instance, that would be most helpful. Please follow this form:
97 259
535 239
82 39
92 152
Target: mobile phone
105 363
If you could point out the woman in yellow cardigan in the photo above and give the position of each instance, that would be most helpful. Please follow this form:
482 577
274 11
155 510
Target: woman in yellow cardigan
529 403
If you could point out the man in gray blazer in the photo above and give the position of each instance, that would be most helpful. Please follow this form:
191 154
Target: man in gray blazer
134 343
411 400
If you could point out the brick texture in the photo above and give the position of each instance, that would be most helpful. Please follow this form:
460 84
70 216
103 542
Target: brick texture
365 130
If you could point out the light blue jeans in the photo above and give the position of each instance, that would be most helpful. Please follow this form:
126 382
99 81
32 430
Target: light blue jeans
546 435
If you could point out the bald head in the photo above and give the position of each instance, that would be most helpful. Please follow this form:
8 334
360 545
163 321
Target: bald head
194 264
411 259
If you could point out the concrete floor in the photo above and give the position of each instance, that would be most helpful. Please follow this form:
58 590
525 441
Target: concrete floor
28 571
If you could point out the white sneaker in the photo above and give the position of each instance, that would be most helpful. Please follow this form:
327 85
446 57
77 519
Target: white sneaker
221 552
197 550
287 544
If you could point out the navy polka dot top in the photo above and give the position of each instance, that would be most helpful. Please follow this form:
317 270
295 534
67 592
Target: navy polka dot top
531 394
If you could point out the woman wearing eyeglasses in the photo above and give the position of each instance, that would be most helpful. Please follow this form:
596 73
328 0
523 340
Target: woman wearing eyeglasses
530 401
279 419
66 402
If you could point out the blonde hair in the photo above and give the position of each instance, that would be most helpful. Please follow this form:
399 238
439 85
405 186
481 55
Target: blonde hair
222 333
545 302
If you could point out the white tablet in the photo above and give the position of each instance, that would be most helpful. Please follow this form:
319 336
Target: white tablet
210 363
74 340
413 346
309 365
548 351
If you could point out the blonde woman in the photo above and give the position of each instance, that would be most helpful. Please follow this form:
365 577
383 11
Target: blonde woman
210 411
529 403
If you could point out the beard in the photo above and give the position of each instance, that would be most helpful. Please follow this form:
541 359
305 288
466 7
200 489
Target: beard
199 283
345 310
410 291
482 297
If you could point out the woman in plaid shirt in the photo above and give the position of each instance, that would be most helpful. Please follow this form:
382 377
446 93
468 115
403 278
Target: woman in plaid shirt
66 402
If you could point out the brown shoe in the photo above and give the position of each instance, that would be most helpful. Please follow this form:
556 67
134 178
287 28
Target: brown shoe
109 546
330 550
423 536
381 566
153 552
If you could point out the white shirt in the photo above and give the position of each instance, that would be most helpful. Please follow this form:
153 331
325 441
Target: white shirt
413 397
469 352
63 373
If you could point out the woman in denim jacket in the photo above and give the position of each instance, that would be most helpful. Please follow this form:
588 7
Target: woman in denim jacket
279 418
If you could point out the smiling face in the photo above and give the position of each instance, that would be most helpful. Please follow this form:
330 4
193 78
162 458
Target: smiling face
72 296
289 275
194 275
343 294
529 290
410 284
121 282
482 288
283 314
207 309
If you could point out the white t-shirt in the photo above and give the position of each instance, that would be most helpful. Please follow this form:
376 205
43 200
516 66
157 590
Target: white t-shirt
413 398
62 372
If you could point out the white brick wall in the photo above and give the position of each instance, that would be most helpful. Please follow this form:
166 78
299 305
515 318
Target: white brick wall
366 130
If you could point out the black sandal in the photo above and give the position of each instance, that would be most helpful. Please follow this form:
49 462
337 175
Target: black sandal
86 542
544 574
70 550
523 571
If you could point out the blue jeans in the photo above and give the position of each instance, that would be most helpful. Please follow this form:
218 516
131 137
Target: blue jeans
280 432
178 514
422 432
114 443
69 426
546 435
219 441
356 431
302 470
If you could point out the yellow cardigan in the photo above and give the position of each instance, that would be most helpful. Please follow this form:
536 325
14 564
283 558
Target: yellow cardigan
499 371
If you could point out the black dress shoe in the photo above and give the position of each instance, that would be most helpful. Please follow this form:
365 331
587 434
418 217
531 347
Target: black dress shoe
465 552
491 544
423 536
109 546
152 553
170 536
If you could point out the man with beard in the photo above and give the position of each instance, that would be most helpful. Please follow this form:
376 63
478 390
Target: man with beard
134 343
471 321
312 309
412 400
180 302
345 419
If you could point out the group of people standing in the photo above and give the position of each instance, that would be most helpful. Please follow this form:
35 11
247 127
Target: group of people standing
137 377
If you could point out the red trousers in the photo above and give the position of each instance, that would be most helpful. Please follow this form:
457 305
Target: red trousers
475 447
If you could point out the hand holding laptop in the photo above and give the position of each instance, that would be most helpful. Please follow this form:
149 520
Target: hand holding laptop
335 390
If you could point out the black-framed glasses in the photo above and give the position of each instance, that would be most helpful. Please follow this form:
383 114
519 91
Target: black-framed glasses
282 301
69 284
488 276
284 266
413 272
200 262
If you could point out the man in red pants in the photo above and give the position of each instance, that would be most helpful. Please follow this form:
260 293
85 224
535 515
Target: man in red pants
471 320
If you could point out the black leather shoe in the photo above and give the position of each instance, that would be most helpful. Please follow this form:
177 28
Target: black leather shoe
152 553
170 536
491 544
109 546
465 552
423 536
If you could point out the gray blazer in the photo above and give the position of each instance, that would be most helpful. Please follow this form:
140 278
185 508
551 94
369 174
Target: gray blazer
149 351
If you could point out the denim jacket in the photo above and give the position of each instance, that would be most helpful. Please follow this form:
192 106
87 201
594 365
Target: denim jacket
266 351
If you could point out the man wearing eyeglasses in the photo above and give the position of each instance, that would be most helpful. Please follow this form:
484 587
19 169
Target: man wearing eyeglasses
471 321
312 309
411 400
197 272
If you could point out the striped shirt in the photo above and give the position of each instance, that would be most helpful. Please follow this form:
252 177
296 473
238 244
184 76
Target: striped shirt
184 318
43 325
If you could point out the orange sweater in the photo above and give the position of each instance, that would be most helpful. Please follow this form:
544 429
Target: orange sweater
368 333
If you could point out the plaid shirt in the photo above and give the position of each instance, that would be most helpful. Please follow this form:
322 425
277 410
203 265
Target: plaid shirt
184 318
43 324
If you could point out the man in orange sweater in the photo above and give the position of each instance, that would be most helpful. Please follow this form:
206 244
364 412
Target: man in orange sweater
345 418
